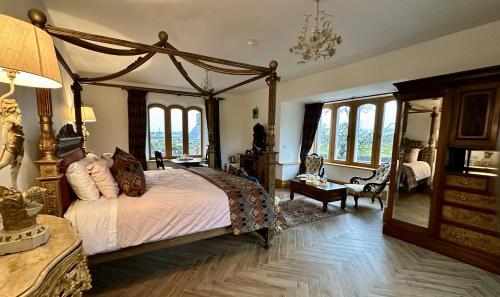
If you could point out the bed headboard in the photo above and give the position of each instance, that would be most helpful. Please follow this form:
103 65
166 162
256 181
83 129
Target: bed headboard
68 150
426 153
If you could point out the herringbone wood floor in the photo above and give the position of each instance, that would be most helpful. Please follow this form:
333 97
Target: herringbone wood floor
342 256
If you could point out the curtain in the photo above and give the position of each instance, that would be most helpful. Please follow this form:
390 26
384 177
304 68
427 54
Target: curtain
137 123
312 115
216 127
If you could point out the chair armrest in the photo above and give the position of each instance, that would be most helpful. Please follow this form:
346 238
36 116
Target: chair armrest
358 179
375 188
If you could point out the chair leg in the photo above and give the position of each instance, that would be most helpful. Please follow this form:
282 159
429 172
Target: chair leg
381 204
373 199
356 201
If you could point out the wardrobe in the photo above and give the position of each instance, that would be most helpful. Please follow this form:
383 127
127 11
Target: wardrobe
461 212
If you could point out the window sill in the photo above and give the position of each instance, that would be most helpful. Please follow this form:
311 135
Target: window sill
350 166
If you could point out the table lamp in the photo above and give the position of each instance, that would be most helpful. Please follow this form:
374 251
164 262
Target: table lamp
88 116
27 58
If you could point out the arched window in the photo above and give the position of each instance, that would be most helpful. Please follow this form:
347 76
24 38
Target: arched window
194 131
341 133
175 130
365 128
387 132
156 124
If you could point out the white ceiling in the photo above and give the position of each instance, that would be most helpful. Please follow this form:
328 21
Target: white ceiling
221 28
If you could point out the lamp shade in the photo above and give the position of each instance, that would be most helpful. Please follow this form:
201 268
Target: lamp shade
29 51
88 114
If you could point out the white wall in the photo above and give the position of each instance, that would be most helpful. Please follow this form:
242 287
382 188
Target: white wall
26 98
468 49
110 107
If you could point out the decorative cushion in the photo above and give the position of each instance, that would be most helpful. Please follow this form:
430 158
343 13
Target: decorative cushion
233 170
108 157
412 156
129 174
104 180
81 182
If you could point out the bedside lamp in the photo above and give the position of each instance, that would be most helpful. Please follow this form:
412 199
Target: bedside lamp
27 58
88 116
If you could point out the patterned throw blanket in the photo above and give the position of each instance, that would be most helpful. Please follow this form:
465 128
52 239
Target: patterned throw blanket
250 205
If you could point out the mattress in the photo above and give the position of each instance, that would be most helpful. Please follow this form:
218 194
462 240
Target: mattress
176 203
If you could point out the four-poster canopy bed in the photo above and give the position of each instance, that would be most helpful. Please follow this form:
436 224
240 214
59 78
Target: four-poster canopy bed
52 166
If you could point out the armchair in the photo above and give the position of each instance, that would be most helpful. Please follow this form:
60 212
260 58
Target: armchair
314 164
371 187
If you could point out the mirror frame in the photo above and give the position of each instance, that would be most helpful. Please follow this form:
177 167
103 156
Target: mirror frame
391 223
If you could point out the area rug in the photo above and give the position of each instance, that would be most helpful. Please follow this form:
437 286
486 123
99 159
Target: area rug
304 210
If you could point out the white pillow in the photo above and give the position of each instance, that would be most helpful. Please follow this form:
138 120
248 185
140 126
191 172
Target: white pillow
108 157
412 155
91 157
101 175
81 182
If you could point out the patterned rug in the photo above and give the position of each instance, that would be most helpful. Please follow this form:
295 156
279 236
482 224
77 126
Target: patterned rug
303 210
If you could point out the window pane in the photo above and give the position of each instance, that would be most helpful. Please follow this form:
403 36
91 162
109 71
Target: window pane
324 133
364 133
156 130
194 132
388 126
341 133
176 134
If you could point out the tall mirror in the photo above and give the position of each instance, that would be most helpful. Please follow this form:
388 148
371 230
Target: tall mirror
417 161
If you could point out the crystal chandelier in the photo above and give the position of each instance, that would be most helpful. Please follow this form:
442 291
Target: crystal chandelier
207 83
320 41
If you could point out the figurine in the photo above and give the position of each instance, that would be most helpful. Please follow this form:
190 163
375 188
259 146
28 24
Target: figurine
259 138
21 232
12 138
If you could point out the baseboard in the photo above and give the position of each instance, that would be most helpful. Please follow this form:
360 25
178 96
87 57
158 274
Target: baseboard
282 183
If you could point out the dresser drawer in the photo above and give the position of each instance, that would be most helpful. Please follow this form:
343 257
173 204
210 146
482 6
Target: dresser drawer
473 218
471 239
469 199
467 182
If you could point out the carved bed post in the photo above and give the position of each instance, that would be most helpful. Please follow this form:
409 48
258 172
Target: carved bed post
77 102
271 155
211 135
49 164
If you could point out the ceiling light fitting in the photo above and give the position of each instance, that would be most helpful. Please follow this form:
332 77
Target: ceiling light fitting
318 42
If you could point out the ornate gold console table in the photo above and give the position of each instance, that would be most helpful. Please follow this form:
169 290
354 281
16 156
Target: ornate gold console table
58 268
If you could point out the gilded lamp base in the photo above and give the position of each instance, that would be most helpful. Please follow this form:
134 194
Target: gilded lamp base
23 240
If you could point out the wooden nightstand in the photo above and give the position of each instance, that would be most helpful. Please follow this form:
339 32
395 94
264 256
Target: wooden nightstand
57 268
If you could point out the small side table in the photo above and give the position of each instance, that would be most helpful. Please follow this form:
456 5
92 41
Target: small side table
57 268
327 192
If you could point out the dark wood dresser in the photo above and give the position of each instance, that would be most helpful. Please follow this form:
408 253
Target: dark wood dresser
464 214
254 165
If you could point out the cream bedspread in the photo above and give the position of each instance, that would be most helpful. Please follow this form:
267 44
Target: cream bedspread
177 202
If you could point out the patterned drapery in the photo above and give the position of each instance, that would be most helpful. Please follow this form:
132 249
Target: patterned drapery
137 125
312 115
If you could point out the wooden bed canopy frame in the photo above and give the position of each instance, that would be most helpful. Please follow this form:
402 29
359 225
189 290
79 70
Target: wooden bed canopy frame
49 164
53 166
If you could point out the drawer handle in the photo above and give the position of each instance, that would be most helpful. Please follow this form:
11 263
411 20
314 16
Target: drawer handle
460 216
464 181
461 196
458 235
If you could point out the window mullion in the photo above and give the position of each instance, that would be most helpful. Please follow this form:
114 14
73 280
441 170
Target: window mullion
379 114
351 137
333 132
168 136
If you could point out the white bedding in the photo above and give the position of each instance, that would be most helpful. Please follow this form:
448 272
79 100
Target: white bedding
420 169
177 202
